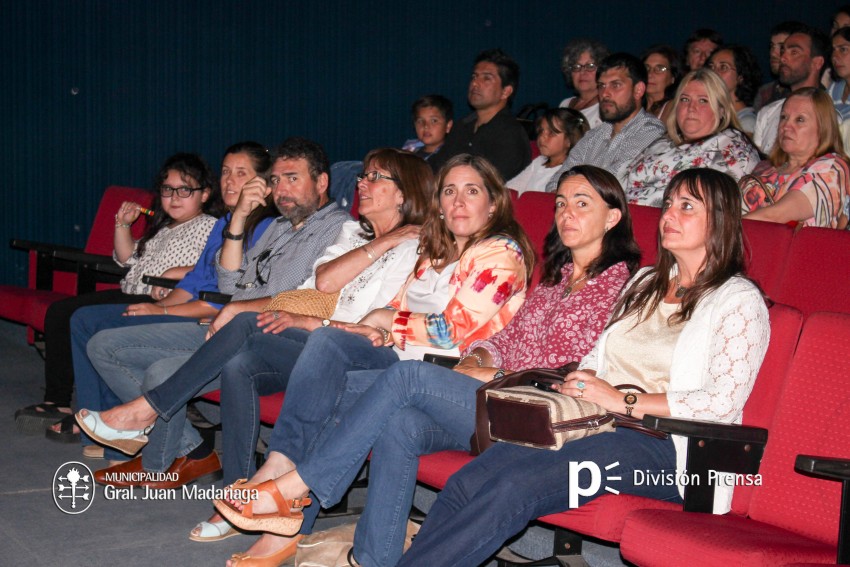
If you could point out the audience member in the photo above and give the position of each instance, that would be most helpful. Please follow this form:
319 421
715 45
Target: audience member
581 57
558 130
841 18
672 333
627 128
806 177
703 131
804 54
491 131
699 46
662 78
433 118
840 88
173 241
774 90
738 68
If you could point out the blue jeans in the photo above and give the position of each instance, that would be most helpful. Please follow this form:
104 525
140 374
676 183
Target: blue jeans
332 360
497 494
134 360
92 391
411 409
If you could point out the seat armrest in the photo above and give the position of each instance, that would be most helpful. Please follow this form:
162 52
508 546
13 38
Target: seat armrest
712 448
829 467
214 297
80 257
169 283
43 247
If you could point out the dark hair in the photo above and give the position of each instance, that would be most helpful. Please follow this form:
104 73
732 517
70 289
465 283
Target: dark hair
845 9
618 243
189 166
699 35
748 70
437 243
567 120
787 28
439 102
633 66
302 148
673 63
724 257
508 68
412 176
821 46
261 162
573 51
845 34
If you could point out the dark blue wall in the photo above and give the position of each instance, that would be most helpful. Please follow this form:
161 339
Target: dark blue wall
100 92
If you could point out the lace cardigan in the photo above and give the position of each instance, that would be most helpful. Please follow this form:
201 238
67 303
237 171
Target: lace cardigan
715 362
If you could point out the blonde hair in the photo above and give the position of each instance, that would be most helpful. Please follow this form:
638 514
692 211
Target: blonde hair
719 100
829 136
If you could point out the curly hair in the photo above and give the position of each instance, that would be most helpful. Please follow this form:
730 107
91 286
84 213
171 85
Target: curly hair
573 51
748 71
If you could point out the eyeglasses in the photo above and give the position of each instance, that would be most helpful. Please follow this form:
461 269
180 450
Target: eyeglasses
721 67
167 191
578 67
373 176
657 69
263 266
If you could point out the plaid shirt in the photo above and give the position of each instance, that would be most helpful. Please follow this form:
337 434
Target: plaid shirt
283 257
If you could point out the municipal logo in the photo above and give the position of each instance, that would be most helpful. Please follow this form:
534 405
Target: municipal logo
73 487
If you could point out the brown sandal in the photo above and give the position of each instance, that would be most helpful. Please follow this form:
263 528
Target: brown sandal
286 521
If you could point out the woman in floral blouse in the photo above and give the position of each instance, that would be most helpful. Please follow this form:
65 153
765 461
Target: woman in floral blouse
416 408
702 131
806 176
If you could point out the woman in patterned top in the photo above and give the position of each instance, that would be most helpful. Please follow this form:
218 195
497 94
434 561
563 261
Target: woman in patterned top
416 408
186 197
806 175
702 131
692 330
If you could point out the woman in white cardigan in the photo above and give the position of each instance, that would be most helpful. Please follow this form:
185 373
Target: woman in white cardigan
692 331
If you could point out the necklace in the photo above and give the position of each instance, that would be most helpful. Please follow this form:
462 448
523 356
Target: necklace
569 289
680 289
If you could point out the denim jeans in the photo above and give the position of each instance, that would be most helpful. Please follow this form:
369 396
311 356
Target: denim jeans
495 496
92 391
332 360
411 409
134 360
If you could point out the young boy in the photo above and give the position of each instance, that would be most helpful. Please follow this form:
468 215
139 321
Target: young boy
432 119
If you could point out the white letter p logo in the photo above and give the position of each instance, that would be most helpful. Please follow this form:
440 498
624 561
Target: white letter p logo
595 481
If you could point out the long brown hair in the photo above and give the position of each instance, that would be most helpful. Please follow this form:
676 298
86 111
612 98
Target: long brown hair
724 248
437 244
413 178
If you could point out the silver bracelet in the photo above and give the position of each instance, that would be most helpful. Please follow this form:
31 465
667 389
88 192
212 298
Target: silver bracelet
368 253
474 355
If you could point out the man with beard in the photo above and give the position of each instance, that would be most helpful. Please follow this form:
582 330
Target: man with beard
626 128
281 260
774 90
804 53
491 131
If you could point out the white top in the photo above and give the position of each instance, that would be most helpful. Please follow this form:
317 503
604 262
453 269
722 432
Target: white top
715 363
168 248
428 294
591 112
534 177
767 125
375 286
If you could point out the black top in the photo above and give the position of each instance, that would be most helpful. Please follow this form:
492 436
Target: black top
502 141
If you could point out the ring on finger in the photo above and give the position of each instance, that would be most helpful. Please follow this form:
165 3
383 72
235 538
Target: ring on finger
581 385
276 316
580 394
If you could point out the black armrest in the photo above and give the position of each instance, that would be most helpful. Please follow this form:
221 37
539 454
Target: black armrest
713 447
91 269
44 263
832 468
169 283
214 297
81 257
45 247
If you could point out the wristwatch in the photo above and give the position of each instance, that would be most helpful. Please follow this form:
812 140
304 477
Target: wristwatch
230 236
326 322
499 373
630 399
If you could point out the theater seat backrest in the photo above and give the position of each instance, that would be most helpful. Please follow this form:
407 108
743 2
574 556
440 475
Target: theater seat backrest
766 248
816 271
535 212
645 226
810 419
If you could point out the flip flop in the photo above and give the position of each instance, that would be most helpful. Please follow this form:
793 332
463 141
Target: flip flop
66 433
213 531
34 419
129 441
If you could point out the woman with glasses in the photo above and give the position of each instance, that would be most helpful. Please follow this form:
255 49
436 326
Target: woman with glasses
254 353
738 68
702 131
172 243
581 56
663 74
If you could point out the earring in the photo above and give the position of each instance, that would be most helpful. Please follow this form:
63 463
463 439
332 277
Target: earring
442 216
605 230
489 215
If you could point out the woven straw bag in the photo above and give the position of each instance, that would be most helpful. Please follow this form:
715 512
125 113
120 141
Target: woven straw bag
310 302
